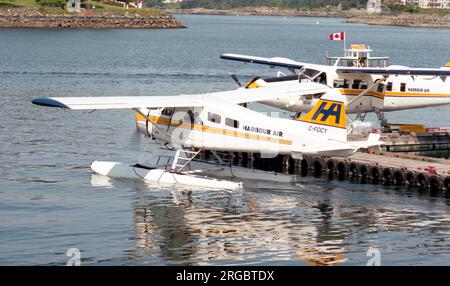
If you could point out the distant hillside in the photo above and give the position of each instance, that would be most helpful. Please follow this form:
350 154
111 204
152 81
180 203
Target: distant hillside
230 4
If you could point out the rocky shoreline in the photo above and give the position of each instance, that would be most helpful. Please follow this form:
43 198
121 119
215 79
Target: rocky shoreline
264 11
404 19
34 18
351 16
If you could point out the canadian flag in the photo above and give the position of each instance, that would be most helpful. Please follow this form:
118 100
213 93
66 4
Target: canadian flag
337 36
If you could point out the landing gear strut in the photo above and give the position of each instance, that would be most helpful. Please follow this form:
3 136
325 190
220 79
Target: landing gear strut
383 120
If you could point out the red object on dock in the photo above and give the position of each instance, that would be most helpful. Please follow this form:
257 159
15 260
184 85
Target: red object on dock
431 170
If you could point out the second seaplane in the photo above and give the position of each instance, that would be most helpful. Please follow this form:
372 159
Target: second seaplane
188 124
368 83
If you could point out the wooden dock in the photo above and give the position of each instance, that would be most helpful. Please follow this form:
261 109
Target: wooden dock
412 142
383 167
371 166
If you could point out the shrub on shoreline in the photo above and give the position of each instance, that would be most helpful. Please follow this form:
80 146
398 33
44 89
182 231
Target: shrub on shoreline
52 3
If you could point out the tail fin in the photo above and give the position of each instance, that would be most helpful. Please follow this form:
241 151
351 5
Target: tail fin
327 118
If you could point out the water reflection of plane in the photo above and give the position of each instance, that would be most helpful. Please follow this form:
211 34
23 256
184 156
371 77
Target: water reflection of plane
184 226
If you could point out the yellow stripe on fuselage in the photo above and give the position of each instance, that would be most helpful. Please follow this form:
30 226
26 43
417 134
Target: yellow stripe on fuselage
416 94
345 91
214 130
393 93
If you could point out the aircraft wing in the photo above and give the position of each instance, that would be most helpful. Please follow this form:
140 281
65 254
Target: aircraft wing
288 63
118 102
275 61
397 71
243 95
238 96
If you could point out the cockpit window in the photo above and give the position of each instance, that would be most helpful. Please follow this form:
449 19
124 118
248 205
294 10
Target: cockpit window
167 112
308 74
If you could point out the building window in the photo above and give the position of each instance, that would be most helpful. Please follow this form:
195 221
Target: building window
231 123
215 118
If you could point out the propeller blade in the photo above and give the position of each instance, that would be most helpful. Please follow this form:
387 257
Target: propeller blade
235 79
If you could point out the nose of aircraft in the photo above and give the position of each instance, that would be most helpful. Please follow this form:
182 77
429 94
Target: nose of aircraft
142 126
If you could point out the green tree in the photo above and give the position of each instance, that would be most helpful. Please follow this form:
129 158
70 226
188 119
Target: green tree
52 3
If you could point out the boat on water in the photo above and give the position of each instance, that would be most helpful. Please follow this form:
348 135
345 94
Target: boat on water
358 55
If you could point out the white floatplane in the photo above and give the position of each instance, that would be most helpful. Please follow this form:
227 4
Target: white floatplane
368 83
218 122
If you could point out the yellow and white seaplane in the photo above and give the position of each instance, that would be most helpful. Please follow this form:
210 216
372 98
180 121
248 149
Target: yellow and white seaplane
368 83
188 124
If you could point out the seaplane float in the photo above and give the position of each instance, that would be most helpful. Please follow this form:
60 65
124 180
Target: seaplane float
368 83
185 125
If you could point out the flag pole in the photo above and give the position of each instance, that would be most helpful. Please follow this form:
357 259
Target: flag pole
345 39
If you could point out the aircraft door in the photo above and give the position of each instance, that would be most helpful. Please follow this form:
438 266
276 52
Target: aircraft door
182 122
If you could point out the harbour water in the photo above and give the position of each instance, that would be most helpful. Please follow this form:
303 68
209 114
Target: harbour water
50 202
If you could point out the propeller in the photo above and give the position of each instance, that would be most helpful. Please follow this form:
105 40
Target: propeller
235 79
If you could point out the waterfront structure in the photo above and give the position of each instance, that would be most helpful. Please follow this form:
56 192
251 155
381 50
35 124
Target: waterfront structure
171 1
374 6
74 5
428 4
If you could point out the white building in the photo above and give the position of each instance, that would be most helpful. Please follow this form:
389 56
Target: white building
428 4
171 1
73 5
374 6
439 4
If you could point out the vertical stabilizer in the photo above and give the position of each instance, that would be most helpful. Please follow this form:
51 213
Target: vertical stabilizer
327 118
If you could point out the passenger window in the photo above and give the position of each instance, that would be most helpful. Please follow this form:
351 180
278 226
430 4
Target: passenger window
356 83
363 85
380 88
389 86
215 118
345 84
231 123
403 87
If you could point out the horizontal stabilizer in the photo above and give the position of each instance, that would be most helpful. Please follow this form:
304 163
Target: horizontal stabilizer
372 140
335 148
